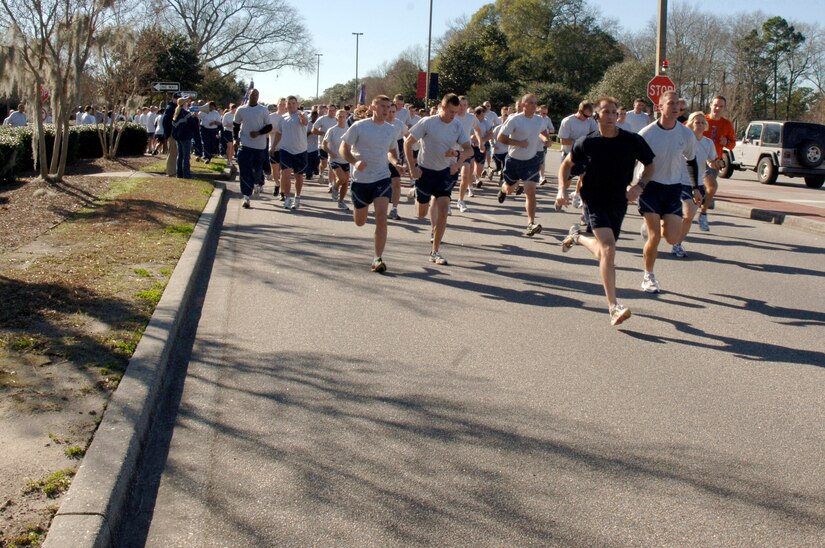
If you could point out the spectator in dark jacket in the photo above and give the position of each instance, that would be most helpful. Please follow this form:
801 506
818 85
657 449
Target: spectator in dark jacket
184 128
168 114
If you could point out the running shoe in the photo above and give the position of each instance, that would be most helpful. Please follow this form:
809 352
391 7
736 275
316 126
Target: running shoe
394 214
287 203
296 203
618 314
411 194
543 182
246 204
703 222
378 265
576 202
571 239
480 183
329 188
462 206
679 251
643 231
449 209
436 258
277 191
471 193
649 284
256 190
519 190
532 229
342 205
501 196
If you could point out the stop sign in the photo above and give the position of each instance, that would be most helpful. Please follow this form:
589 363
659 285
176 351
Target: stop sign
657 87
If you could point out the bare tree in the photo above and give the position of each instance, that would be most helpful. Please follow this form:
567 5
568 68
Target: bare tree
247 35
50 46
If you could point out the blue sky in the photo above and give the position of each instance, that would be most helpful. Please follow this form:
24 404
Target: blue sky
392 27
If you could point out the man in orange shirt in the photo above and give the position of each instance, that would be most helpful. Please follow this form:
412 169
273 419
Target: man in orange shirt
720 131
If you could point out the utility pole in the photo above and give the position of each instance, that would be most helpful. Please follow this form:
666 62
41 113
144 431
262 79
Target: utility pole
429 45
661 44
357 36
318 75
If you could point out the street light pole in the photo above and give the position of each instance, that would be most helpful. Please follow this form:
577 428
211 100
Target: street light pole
661 45
357 36
429 45
318 75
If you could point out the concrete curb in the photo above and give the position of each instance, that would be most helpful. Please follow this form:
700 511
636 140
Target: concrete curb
773 217
90 514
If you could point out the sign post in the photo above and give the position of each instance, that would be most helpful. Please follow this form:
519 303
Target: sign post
166 86
658 86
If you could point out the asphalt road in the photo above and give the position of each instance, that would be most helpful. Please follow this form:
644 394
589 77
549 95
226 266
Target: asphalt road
490 402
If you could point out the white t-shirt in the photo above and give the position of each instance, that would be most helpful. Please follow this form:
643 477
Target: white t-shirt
333 138
370 144
252 119
275 119
635 122
498 146
401 131
548 124
403 115
324 123
520 127
228 120
159 126
293 133
211 119
469 123
88 119
705 152
15 119
414 120
493 118
573 128
672 147
438 137
78 117
312 140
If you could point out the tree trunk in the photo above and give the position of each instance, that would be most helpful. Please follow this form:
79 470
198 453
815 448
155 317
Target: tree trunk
39 135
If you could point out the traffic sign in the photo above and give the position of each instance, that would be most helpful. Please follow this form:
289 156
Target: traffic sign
657 87
166 86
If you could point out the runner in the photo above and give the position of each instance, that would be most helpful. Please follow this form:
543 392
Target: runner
637 118
275 151
611 156
401 131
469 123
499 149
437 165
721 132
521 134
226 135
572 128
320 128
366 146
706 161
660 203
481 145
250 125
337 164
291 137
313 149
545 141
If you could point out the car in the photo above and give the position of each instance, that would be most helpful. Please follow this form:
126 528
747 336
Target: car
772 148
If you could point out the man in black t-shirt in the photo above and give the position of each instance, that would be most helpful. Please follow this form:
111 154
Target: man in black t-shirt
610 157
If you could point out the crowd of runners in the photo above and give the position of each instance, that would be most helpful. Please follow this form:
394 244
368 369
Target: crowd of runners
611 158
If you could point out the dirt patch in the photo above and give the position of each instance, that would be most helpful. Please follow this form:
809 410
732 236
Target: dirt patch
82 267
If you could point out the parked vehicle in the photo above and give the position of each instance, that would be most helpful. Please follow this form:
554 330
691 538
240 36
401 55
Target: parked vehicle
772 148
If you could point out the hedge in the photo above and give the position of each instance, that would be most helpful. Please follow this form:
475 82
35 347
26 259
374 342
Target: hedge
16 146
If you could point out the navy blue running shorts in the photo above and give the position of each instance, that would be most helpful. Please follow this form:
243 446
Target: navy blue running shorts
363 194
661 199
434 183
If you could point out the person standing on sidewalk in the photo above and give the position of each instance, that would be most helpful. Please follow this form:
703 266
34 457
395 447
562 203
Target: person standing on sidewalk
367 146
250 127
611 156
674 146
171 145
721 132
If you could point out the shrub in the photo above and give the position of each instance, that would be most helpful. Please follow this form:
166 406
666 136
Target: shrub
16 146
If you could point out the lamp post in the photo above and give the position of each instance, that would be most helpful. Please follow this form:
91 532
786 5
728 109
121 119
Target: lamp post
429 45
318 75
357 36
661 40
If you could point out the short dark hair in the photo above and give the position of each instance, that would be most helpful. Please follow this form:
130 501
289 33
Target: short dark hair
451 99
480 110
722 97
